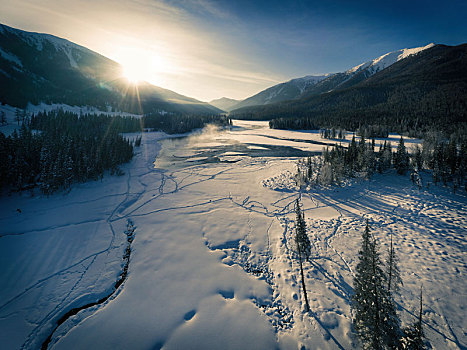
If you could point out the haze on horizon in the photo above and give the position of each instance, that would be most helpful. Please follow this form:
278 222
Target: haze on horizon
209 49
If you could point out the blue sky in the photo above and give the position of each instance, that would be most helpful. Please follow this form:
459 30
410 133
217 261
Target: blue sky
326 36
208 49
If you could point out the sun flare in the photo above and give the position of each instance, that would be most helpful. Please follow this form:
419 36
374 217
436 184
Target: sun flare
135 73
139 64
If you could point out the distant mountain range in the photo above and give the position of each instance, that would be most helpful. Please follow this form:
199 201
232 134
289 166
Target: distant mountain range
310 85
37 68
424 82
224 103
427 84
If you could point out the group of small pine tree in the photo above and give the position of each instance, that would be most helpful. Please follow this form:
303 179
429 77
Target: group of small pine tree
447 162
447 159
358 160
333 134
375 316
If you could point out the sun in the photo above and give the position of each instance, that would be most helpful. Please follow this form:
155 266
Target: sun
142 64
135 73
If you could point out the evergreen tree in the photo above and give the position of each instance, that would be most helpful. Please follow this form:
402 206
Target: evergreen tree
451 157
392 270
375 320
303 246
17 115
370 161
401 158
352 154
413 338
415 175
138 141
394 281
387 155
417 158
3 118
309 172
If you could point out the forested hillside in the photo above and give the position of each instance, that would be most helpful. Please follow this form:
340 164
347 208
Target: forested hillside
37 68
424 92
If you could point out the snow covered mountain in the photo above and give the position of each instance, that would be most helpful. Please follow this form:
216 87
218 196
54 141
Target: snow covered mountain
386 60
363 71
311 85
41 68
427 88
281 92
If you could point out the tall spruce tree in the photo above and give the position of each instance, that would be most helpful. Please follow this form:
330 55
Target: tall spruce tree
392 270
401 159
394 281
375 320
303 246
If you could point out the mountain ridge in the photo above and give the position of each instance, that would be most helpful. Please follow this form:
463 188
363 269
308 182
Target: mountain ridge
308 85
42 68
224 103
422 92
280 92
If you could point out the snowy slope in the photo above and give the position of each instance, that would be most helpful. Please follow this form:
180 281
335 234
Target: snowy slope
384 61
281 92
312 85
362 71
38 40
212 264
41 68
307 81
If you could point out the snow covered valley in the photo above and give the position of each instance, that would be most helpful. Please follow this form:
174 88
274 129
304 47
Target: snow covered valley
212 263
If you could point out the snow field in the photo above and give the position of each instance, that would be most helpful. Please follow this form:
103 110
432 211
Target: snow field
212 264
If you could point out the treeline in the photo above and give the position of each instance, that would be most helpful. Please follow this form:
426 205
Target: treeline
181 123
447 161
166 122
54 150
372 131
369 120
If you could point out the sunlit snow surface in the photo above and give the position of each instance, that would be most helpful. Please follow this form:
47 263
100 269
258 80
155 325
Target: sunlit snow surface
212 265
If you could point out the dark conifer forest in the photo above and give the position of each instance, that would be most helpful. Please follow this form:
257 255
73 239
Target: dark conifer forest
54 150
